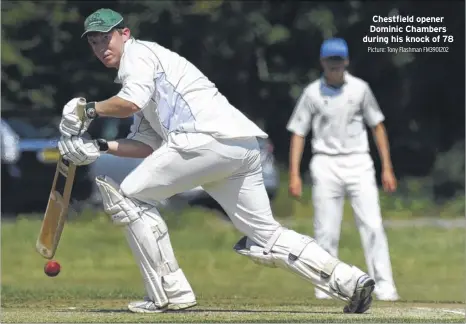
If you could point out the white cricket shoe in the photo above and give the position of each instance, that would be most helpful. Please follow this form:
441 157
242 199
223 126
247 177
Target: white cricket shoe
321 295
387 297
361 300
148 306
386 292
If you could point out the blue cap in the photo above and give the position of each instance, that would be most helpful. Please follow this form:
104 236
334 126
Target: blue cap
334 47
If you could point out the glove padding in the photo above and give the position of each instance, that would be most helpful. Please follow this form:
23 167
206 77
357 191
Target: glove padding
78 150
70 124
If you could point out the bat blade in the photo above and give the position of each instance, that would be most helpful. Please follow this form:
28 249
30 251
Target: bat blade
58 203
57 210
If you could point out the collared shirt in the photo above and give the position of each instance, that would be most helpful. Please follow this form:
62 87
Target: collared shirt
174 96
337 116
9 143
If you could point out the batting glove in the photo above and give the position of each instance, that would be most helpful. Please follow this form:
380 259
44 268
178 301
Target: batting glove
79 150
71 124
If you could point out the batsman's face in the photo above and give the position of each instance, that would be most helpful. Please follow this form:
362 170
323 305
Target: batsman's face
108 47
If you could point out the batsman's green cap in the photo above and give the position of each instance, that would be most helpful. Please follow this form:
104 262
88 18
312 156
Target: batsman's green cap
102 21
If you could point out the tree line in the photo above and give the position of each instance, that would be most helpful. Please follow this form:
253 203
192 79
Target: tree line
260 55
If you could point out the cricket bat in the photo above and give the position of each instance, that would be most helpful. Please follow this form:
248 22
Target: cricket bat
58 203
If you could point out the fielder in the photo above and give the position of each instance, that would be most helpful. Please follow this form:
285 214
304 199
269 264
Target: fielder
336 107
189 135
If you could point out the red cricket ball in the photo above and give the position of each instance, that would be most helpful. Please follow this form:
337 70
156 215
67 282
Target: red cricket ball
52 268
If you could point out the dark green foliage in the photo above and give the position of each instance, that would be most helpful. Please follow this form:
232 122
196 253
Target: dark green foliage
260 55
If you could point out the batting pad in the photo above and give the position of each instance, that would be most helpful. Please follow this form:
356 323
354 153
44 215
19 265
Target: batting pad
301 255
148 238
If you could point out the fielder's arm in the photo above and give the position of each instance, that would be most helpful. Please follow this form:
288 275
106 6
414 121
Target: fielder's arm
299 125
374 118
383 146
296 153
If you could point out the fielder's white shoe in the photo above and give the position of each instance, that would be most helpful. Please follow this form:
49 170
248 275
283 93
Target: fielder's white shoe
321 295
361 300
148 306
386 292
387 297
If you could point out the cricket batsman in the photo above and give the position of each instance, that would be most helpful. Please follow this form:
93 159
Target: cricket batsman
336 107
189 135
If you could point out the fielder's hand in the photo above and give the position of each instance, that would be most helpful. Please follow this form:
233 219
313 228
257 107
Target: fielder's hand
296 186
388 180
71 124
79 150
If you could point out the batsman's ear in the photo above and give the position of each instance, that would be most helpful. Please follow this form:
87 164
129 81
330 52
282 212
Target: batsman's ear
126 33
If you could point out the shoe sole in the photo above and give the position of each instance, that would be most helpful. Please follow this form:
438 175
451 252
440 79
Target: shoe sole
390 299
146 311
170 307
361 299
177 307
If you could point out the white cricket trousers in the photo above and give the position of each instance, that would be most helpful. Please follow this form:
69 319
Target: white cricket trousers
333 177
229 170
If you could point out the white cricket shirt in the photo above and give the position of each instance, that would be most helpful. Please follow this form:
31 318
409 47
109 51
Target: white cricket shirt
174 96
337 116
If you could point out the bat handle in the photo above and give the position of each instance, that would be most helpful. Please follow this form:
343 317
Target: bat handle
80 108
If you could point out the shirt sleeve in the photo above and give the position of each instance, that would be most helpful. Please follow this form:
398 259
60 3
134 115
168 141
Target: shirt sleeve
140 68
300 120
371 110
143 132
